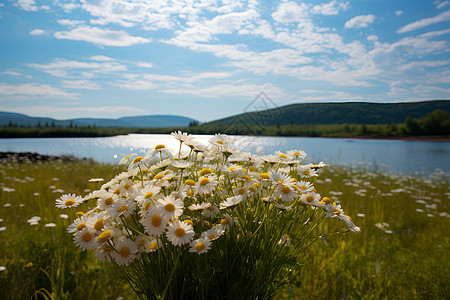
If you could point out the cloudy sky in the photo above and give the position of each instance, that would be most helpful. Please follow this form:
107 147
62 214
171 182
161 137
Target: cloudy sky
208 59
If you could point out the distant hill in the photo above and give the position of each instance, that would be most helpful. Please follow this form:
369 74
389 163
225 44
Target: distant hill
337 113
7 118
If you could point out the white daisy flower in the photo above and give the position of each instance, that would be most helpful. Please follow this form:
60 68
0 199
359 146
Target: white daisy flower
160 153
172 208
332 210
126 160
179 233
104 252
296 154
310 198
230 202
147 194
349 222
285 192
79 224
205 185
305 186
305 171
122 207
221 140
68 201
200 245
213 233
209 210
227 221
126 251
154 222
85 239
106 199
182 136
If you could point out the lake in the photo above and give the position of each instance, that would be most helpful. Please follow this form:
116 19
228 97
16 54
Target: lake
399 156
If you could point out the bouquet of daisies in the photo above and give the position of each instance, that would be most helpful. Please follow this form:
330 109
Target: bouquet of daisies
205 222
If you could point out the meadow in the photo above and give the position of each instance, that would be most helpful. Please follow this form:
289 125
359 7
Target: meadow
402 251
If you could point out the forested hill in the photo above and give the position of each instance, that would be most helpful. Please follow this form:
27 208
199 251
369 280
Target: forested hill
337 113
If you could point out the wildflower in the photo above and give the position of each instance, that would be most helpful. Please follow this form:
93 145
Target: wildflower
230 202
310 198
85 239
209 210
122 207
221 140
126 159
349 223
104 252
205 185
172 208
154 222
183 137
296 154
214 233
306 171
126 251
305 186
68 201
285 192
179 233
200 245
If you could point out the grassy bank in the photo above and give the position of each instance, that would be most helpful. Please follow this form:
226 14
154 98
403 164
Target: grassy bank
403 251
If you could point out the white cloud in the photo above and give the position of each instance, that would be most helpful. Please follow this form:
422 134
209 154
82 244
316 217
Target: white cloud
440 4
32 89
289 12
330 8
103 37
399 12
44 110
28 5
14 73
145 65
442 17
60 67
102 58
80 84
37 31
360 21
71 23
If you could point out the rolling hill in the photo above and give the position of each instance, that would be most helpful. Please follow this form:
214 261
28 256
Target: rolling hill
337 113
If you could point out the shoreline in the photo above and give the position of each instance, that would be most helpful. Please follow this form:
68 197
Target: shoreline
399 138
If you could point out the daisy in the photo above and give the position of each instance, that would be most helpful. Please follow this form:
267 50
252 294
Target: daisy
160 152
154 222
179 233
306 171
349 223
296 154
85 239
310 198
305 186
147 194
230 202
213 233
106 199
68 201
172 208
137 163
226 222
220 139
122 207
333 210
205 185
280 178
180 164
104 253
126 251
200 245
126 187
209 210
78 224
126 159
183 137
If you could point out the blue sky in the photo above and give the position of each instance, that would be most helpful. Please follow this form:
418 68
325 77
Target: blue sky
208 59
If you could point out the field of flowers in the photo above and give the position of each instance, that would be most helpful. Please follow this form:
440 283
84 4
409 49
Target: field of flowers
402 251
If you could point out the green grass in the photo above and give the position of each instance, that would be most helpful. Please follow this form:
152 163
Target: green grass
408 259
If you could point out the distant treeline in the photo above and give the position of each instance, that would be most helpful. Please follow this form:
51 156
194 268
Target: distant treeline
436 123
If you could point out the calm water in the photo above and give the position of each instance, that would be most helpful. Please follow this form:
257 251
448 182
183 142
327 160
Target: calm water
408 157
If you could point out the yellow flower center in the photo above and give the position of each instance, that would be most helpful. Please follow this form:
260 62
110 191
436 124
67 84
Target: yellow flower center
153 246
180 232
200 246
336 212
282 155
205 171
264 175
212 237
210 208
104 236
247 177
80 214
148 195
327 200
160 146
122 209
126 186
252 189
158 176
309 198
189 222
241 191
146 206
204 181
303 188
69 202
306 172
137 159
285 189
220 142
224 221
296 154
190 182
252 168
170 207
86 237
109 201
156 221
124 251
81 226
99 224
232 168
117 191
256 184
